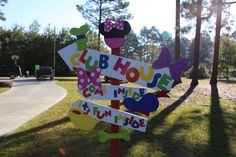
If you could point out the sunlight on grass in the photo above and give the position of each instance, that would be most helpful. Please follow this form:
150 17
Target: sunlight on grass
139 149
4 89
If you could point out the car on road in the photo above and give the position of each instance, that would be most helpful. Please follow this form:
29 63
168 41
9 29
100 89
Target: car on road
11 71
44 72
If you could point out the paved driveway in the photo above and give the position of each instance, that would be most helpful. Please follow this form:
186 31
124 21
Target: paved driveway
26 99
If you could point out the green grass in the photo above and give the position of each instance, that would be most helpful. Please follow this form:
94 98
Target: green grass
4 89
187 125
5 86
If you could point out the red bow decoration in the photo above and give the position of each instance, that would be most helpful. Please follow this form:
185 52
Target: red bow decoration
84 79
108 25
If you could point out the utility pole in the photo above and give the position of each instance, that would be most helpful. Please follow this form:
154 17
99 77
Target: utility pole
54 52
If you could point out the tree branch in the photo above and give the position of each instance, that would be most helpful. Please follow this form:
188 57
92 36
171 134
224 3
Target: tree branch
230 2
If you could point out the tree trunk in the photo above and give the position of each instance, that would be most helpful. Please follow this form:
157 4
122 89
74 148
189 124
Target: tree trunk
140 57
197 45
214 73
177 34
99 40
227 70
177 30
99 22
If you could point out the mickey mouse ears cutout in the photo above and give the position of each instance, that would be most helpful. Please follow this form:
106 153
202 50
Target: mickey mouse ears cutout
114 30
114 33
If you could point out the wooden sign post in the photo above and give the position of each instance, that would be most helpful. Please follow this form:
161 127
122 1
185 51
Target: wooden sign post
115 143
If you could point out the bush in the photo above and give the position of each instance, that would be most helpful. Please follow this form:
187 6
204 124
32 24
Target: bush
203 72
5 84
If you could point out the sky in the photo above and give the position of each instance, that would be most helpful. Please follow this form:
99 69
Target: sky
63 13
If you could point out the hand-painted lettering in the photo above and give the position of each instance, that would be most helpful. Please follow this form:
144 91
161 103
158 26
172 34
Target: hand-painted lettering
132 75
121 66
74 59
82 58
147 77
89 66
154 81
103 61
164 81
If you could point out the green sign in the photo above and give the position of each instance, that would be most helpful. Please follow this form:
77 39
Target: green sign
37 67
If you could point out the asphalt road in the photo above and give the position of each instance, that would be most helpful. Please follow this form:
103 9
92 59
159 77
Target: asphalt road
26 99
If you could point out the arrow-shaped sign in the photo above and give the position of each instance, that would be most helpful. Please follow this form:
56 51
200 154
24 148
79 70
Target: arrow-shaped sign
118 67
110 115
110 92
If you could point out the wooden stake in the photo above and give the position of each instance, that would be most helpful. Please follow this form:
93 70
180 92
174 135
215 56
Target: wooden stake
115 143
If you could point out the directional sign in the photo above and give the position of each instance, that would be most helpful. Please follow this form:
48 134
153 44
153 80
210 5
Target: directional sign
110 92
118 67
110 115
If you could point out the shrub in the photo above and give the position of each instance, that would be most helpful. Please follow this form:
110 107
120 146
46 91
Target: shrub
5 84
203 72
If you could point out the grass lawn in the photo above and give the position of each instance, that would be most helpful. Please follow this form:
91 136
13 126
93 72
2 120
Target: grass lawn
186 125
4 89
4 86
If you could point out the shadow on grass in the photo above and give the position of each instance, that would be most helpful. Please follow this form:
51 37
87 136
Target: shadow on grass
159 119
218 143
165 139
228 81
54 140
36 129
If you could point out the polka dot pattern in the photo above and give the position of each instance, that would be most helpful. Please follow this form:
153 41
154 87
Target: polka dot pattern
84 80
108 25
92 74
94 77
